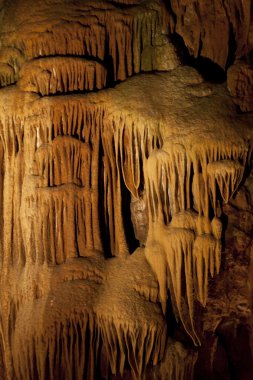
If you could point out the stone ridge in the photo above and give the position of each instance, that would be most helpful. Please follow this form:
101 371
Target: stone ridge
118 167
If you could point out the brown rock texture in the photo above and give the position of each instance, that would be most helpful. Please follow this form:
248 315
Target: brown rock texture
126 191
213 29
240 84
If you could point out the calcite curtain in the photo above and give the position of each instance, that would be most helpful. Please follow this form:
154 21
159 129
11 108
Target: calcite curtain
126 190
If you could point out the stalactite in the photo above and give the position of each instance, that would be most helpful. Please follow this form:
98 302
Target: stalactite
128 34
212 156
11 60
206 252
226 175
139 217
113 193
62 39
126 144
66 160
6 75
132 152
74 348
166 170
71 168
67 116
12 140
62 75
157 259
190 248
53 229
171 259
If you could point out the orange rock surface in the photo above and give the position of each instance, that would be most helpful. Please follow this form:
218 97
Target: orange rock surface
126 193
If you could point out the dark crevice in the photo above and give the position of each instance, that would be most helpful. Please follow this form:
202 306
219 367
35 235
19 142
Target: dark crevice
251 57
210 71
171 12
123 6
231 47
8 85
233 339
132 242
85 57
67 93
104 230
108 63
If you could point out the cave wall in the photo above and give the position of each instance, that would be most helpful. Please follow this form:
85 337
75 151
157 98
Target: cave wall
126 190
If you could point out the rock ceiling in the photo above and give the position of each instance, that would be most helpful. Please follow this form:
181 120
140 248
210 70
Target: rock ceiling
126 193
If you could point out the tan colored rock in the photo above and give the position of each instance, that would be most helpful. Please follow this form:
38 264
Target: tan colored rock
47 76
58 201
161 56
113 195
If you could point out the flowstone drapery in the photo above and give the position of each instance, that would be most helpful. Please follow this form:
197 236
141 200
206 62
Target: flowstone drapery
116 162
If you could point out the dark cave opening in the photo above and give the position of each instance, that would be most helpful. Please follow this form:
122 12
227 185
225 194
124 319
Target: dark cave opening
210 71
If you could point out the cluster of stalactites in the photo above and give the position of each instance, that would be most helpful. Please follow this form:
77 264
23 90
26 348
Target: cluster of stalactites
11 174
218 168
63 224
88 346
184 246
177 180
47 76
63 176
117 153
189 243
114 146
166 183
68 175
186 251
126 146
174 179
110 35
65 160
42 164
11 60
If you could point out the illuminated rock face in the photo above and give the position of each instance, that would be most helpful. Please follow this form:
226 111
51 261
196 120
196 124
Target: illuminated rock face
113 197
213 29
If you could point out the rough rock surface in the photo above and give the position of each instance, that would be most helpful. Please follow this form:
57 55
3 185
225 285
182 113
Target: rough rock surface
240 85
217 30
126 192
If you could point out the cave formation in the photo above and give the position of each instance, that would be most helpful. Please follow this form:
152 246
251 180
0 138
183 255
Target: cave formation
126 190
